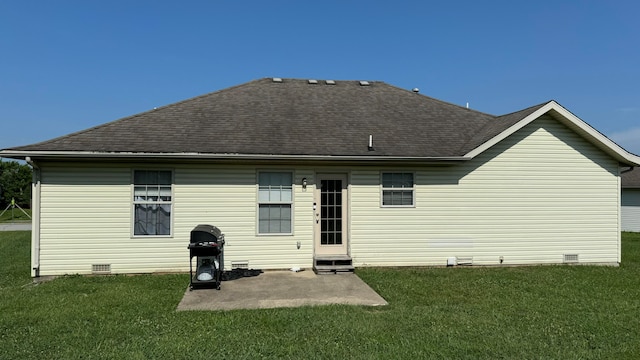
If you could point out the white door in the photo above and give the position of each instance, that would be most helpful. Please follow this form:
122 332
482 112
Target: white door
330 228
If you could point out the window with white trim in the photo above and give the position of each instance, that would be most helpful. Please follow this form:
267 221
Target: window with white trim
397 189
275 199
152 202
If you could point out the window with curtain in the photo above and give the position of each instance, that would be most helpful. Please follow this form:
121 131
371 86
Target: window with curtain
397 189
275 197
152 202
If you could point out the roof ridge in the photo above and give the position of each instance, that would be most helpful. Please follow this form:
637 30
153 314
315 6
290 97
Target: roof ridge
323 79
441 101
527 108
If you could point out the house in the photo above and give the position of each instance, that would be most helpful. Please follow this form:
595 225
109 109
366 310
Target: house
326 174
631 201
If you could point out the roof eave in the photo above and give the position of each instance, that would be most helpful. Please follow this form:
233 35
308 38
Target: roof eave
571 121
86 155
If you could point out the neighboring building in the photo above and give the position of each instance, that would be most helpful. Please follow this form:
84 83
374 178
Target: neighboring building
299 173
631 201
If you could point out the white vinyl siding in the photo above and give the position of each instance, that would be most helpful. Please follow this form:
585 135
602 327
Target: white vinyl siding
631 210
75 236
541 193
86 219
225 196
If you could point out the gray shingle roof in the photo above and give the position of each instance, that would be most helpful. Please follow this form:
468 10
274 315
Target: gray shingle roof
631 179
294 117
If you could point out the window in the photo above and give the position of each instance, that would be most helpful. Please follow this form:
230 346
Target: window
152 202
274 202
397 189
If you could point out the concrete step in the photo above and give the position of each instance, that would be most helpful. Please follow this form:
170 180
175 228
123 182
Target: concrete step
332 269
326 264
332 257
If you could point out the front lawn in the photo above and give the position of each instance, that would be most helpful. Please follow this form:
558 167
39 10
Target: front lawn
551 312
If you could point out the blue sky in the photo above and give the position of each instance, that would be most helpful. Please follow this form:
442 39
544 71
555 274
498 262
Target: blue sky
69 65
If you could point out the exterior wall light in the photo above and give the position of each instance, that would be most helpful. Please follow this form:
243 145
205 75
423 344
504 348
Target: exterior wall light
304 183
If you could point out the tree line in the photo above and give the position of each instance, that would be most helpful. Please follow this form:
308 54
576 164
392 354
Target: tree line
15 183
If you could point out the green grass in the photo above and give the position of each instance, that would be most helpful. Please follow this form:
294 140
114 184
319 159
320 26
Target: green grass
14 215
540 312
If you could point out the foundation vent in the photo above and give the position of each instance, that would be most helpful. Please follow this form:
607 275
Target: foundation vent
101 269
570 258
464 260
240 264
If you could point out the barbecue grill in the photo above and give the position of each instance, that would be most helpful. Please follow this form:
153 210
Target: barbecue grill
206 245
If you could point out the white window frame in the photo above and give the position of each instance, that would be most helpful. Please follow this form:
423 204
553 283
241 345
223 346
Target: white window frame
135 202
261 201
383 189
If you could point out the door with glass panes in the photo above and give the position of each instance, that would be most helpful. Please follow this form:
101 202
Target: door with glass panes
330 214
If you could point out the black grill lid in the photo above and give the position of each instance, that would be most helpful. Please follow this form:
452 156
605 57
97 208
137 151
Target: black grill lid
206 233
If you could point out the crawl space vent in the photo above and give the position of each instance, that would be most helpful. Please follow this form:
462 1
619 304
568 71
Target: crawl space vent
101 268
240 264
571 258
464 260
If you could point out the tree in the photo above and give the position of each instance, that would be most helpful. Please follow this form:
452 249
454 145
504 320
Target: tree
15 183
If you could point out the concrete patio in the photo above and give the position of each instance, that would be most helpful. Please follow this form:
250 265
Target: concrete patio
274 289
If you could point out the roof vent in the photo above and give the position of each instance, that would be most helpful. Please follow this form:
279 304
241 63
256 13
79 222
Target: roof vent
364 83
277 80
330 82
313 81
415 90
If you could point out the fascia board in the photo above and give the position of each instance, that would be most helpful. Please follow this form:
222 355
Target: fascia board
573 122
199 156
